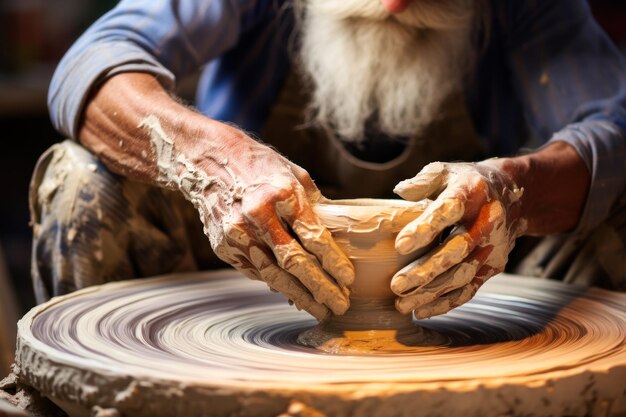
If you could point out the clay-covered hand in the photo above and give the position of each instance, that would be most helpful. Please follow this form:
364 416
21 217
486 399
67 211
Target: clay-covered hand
256 207
482 204
254 204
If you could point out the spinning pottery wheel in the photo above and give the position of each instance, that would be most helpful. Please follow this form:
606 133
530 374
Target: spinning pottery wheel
217 344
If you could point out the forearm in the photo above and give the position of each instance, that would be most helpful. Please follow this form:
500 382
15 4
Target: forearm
114 127
555 183
255 205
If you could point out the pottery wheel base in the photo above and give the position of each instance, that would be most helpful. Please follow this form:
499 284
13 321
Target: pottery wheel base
370 342
218 344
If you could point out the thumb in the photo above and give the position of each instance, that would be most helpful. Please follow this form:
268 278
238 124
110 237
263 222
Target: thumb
426 184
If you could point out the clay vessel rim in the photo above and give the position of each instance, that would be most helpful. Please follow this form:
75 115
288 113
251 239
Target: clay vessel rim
372 203
368 215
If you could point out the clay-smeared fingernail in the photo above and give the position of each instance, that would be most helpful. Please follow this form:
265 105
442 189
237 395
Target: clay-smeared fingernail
402 307
399 284
346 274
405 245
341 305
422 315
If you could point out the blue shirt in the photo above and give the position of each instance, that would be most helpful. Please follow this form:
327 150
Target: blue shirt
547 69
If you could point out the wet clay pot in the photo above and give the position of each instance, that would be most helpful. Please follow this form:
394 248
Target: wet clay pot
366 229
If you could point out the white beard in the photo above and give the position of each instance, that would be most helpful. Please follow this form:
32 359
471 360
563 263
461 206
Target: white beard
391 72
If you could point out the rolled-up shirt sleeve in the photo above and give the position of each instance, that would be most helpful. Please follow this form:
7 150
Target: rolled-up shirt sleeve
601 144
166 38
571 80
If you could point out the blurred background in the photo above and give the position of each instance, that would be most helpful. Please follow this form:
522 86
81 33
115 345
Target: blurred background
34 34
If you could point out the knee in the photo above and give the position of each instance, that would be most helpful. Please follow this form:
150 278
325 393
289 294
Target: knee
66 177
74 198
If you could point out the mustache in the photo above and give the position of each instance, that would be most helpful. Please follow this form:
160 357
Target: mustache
421 14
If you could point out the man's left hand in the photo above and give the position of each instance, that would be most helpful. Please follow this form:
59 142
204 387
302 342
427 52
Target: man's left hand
482 205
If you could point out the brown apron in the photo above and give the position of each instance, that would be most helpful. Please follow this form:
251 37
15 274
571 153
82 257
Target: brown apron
338 173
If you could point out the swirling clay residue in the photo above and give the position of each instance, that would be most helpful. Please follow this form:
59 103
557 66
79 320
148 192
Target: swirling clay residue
220 344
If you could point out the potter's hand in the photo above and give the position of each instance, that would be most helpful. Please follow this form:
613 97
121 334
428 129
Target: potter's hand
258 215
255 205
482 203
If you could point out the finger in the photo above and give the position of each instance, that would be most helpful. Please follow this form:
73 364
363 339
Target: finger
288 252
255 260
443 212
455 249
317 240
301 264
421 272
457 277
244 266
315 237
304 266
286 284
449 301
472 268
427 183
232 252
282 282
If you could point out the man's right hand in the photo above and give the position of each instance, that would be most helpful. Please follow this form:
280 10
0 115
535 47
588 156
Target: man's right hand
258 216
256 209
255 205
